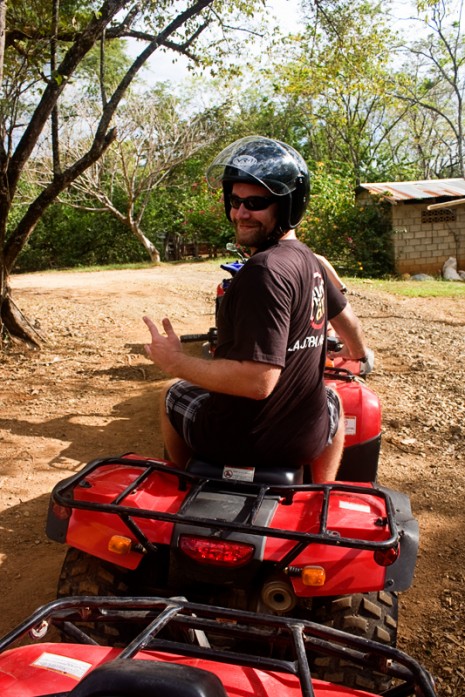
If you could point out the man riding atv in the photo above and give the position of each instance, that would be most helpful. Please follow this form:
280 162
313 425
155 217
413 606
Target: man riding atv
262 400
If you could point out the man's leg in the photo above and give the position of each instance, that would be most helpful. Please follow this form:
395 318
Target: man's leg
177 449
180 402
324 468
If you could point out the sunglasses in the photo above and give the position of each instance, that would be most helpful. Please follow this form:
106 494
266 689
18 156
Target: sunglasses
252 203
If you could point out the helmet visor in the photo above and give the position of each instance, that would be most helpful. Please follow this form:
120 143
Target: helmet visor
257 160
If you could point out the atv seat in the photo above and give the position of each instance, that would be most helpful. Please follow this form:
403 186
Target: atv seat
285 475
138 678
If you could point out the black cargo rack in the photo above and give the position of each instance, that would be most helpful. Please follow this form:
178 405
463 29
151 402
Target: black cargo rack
194 485
299 639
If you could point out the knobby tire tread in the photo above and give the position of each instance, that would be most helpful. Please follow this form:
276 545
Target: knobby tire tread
83 574
371 615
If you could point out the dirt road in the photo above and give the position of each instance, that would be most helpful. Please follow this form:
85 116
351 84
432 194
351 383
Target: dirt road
91 392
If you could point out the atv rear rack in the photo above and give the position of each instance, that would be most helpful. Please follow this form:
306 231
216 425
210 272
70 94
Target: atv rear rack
298 640
64 495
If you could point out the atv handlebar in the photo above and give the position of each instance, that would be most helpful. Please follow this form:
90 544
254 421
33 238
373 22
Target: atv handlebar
333 343
187 338
209 336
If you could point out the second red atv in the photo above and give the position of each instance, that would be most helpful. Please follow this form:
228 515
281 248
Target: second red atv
153 664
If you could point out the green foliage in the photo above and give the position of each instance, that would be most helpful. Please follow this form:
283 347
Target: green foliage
30 22
188 211
337 79
204 218
356 239
432 83
116 65
66 238
182 208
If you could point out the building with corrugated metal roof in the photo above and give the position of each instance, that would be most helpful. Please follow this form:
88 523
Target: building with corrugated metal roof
428 221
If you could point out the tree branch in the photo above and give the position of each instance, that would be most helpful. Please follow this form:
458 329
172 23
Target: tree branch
36 209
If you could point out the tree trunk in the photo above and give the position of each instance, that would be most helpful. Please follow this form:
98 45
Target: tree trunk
14 325
2 36
146 243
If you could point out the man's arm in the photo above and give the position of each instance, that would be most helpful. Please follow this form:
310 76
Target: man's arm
332 273
348 328
239 378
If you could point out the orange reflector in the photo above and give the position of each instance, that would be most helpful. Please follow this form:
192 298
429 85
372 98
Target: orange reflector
313 576
119 544
214 551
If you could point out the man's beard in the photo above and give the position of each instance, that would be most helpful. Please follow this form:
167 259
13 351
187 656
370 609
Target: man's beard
256 235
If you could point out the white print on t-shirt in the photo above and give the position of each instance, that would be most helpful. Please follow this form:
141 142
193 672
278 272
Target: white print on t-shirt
318 302
308 342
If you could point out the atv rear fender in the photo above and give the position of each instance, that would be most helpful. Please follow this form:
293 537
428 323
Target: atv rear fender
338 526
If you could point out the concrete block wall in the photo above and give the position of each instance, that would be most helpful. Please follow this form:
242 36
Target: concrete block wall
423 245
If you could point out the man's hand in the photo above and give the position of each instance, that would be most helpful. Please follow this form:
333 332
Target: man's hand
367 361
164 349
367 365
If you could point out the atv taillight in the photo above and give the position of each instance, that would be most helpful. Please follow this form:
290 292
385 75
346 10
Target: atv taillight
386 557
213 551
61 512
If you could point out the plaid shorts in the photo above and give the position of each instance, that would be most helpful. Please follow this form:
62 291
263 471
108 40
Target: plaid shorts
182 403
334 411
184 399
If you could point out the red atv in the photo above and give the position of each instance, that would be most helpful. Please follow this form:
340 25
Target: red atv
153 664
248 539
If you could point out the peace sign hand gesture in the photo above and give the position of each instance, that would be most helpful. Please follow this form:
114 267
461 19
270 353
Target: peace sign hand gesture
164 349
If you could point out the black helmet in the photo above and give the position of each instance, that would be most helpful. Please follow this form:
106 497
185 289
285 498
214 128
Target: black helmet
270 163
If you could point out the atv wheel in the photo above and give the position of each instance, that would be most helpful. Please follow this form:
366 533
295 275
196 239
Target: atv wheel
371 615
82 574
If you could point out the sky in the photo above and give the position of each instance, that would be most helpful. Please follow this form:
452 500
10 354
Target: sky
288 15
163 69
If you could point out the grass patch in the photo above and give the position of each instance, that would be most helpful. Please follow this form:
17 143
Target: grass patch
89 269
412 289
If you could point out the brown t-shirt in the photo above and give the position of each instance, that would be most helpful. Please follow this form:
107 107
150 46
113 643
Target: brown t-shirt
275 311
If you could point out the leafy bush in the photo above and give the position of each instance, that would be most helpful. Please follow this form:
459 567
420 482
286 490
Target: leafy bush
356 239
190 211
66 238
204 216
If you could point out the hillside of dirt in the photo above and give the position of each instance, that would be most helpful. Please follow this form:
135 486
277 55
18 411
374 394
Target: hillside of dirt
91 392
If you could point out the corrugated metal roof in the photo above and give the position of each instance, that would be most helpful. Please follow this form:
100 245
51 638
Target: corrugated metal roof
407 191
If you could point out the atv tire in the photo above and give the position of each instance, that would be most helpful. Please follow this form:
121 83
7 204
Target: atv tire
83 574
371 615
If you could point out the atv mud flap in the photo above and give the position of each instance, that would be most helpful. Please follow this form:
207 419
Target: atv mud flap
399 576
